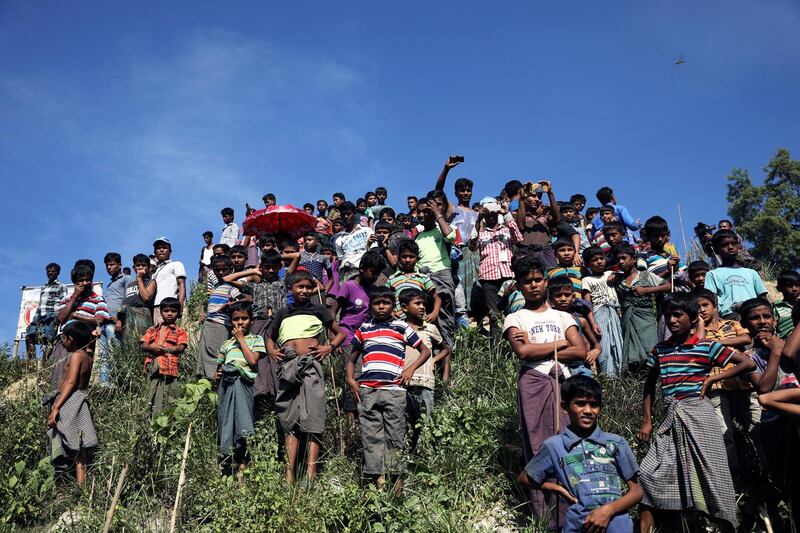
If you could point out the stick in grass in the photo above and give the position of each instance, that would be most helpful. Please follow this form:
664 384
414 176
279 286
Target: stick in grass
558 387
181 480
333 382
115 499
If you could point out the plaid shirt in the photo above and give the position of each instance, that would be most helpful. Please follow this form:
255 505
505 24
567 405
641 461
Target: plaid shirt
496 249
168 336
51 295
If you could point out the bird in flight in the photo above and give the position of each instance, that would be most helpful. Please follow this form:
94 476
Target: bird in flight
680 61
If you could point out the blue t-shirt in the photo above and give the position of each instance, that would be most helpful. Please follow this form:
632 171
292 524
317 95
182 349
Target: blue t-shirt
593 470
733 285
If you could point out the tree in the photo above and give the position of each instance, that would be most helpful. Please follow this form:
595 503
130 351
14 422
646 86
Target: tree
768 215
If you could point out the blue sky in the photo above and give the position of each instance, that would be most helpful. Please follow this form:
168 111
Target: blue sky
125 121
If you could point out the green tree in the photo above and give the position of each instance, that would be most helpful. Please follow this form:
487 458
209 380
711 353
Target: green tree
768 215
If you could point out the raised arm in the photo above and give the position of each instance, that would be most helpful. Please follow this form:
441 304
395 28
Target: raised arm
451 162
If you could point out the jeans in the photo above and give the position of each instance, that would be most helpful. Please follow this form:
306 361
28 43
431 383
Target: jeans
108 341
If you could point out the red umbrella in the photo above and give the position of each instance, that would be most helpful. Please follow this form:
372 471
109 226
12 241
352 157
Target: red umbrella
277 219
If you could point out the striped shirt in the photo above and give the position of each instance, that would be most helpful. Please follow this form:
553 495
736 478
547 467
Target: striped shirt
575 274
401 281
230 353
92 307
684 368
383 350
496 249
659 264
783 318
217 300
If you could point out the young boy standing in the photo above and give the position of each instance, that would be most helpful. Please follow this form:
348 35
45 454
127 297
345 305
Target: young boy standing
789 286
205 255
408 276
565 255
230 233
598 290
164 344
542 338
217 323
731 282
589 465
686 467
380 390
72 434
137 307
350 243
562 298
170 277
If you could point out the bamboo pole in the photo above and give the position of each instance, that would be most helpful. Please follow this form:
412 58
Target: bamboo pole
115 499
558 387
333 382
181 480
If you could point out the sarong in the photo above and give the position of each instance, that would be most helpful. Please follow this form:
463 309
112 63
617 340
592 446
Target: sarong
266 382
300 402
137 320
610 360
58 359
162 391
467 273
212 336
74 432
537 416
235 414
445 288
639 334
686 467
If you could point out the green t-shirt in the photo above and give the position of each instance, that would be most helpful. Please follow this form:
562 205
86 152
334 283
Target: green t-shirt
231 353
433 251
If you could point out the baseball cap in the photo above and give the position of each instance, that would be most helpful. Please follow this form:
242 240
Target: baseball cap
162 239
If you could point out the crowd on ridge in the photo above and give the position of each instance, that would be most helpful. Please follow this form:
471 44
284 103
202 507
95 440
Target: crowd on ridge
574 291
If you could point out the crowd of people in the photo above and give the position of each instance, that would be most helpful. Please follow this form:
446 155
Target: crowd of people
574 292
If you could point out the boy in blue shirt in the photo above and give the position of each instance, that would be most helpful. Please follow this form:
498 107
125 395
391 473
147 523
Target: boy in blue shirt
731 282
589 466
606 197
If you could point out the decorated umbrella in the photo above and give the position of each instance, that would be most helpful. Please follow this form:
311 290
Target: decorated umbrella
279 219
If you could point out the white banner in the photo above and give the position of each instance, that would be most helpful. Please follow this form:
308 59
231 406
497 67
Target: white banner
30 302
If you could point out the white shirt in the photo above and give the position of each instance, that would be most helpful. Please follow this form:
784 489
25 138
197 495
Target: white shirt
230 234
542 327
599 289
166 276
351 246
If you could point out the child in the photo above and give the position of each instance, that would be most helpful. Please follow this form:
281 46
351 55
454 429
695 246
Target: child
588 464
205 255
579 202
269 200
598 291
353 304
219 250
408 276
350 243
420 388
170 276
635 290
217 323
562 297
268 297
230 233
538 336
72 434
380 241
381 344
565 255
662 258
364 216
731 282
237 365
296 342
316 263
606 215
572 217
605 195
164 343
686 467
238 255
697 271
536 220
789 286
493 237
733 398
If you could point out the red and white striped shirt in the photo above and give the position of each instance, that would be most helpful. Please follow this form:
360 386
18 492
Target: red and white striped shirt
496 248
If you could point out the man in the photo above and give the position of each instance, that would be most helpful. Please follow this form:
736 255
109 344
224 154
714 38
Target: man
170 277
701 248
42 329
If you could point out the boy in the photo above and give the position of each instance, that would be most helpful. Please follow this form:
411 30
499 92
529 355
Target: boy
606 197
238 255
269 200
350 243
635 290
316 263
734 398
561 293
572 217
380 241
212 281
731 282
662 259
597 289
364 216
409 277
565 255
237 364
697 271
230 233
137 307
420 388
493 239
164 343
170 277
216 324
380 389
536 221
269 297
72 434
789 286
296 342
112 329
43 326
686 467
590 465
539 335
205 255
353 305
579 201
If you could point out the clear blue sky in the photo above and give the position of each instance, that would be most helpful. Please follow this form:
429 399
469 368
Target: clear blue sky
125 121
